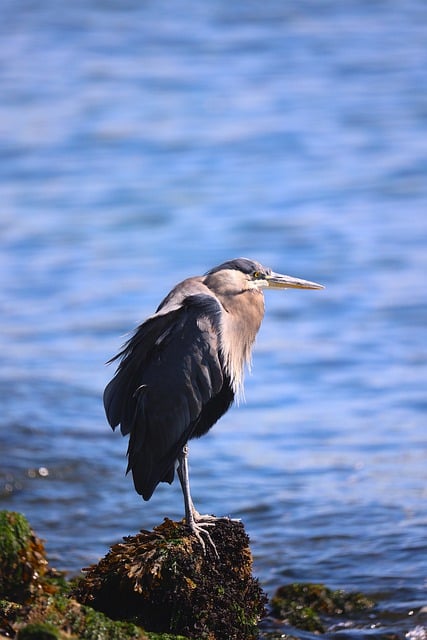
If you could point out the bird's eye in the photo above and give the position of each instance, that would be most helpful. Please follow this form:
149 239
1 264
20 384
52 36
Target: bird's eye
257 274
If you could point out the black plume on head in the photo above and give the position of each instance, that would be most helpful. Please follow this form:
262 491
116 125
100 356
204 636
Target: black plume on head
245 265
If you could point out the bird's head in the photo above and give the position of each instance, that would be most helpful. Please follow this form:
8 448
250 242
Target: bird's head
249 274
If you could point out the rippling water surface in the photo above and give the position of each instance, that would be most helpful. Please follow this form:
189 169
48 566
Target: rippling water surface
144 142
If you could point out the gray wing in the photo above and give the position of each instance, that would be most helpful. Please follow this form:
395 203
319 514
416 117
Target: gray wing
169 371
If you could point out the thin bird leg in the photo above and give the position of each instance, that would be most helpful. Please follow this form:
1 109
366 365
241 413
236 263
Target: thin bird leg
194 520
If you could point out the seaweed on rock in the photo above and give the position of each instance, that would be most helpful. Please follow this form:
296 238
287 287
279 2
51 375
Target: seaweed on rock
306 605
164 581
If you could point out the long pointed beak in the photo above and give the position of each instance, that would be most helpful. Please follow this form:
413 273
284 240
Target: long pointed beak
279 281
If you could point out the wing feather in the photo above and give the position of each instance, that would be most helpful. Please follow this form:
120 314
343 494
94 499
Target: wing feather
170 372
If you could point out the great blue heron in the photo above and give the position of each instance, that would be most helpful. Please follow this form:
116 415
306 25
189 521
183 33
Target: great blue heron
179 372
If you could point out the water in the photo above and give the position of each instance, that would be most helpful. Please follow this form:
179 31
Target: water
141 143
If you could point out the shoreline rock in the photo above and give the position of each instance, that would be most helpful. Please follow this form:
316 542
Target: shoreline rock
155 585
165 581
306 606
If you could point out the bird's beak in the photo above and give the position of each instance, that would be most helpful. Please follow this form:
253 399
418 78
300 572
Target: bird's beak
279 281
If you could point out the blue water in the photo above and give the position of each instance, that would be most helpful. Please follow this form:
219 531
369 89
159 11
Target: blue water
144 142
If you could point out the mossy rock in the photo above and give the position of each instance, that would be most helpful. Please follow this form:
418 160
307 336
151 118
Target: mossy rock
57 617
164 581
22 558
34 602
302 605
38 631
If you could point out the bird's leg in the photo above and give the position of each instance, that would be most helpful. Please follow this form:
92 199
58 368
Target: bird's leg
194 520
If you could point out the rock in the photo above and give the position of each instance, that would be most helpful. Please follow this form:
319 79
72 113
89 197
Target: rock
302 605
38 631
165 582
34 598
22 558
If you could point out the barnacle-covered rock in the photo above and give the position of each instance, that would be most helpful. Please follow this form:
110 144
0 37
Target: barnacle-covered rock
164 581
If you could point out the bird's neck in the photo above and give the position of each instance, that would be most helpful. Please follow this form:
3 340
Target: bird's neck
240 323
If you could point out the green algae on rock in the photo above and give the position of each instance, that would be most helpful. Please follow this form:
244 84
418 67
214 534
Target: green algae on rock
302 605
163 580
22 558
58 617
34 600
214 598
38 631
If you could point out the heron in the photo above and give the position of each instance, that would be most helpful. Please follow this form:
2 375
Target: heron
182 368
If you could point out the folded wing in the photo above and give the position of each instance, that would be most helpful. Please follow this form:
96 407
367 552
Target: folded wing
168 387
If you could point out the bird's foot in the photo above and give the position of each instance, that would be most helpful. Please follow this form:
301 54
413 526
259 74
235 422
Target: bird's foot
198 524
206 518
211 520
200 532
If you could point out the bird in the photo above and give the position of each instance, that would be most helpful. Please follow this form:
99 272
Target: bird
182 368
